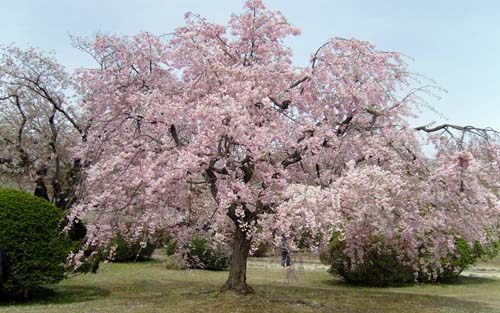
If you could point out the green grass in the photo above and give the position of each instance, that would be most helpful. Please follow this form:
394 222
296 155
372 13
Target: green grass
149 287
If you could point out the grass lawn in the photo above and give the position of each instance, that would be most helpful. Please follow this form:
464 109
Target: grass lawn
149 287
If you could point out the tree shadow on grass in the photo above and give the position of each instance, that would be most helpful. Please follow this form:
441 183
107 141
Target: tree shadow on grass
471 280
461 280
369 300
57 295
138 261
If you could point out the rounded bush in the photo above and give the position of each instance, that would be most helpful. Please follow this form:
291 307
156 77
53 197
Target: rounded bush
30 235
383 267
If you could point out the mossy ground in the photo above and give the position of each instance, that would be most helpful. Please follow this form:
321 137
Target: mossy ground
149 287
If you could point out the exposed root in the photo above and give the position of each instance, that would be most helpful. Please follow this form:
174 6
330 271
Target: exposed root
243 289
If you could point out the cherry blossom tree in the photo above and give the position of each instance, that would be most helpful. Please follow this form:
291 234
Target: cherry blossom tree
39 125
213 129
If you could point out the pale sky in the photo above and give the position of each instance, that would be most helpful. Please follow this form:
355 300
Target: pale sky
456 43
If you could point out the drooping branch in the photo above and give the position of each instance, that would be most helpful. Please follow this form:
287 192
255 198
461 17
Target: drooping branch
315 57
484 133
300 81
477 130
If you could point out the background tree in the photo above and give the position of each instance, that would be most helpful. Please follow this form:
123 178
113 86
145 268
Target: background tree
207 130
39 125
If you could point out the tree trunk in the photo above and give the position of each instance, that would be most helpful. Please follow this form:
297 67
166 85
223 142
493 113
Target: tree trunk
41 190
237 280
40 187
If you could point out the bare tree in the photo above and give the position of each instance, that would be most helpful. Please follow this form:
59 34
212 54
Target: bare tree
38 125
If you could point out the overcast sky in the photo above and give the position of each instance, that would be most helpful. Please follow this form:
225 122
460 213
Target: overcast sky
456 43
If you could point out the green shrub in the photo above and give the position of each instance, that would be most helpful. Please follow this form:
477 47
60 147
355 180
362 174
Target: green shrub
30 234
171 248
377 270
199 253
381 267
465 257
131 251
